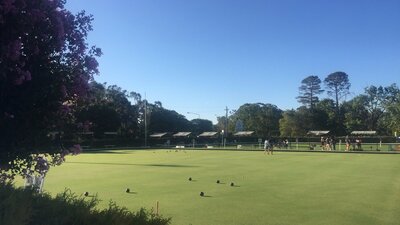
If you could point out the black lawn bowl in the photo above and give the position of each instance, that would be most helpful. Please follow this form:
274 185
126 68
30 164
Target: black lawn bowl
202 194
86 193
218 182
232 184
128 190
190 179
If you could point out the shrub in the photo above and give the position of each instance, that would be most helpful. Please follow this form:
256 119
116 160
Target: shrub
20 206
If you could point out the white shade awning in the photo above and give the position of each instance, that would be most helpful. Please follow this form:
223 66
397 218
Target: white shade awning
158 135
243 133
208 134
318 132
182 134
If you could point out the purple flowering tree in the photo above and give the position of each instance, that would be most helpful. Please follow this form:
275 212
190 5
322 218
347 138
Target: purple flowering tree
45 67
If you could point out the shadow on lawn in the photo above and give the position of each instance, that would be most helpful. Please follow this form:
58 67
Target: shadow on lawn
133 164
106 152
167 165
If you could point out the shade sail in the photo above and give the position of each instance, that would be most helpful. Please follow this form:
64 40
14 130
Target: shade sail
158 135
363 132
86 133
243 133
208 134
318 132
182 134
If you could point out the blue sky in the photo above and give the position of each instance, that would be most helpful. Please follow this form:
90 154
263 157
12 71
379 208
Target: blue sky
202 55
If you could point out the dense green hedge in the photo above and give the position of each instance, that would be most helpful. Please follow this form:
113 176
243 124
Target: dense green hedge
19 206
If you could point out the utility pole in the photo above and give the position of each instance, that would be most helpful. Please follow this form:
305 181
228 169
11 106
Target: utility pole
226 125
145 121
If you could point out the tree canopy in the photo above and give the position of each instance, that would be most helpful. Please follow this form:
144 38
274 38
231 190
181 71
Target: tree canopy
309 90
338 85
42 45
259 117
45 67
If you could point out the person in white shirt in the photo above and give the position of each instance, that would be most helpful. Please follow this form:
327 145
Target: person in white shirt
267 147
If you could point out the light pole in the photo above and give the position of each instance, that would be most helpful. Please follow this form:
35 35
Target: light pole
196 123
194 114
145 122
222 138
226 126
223 129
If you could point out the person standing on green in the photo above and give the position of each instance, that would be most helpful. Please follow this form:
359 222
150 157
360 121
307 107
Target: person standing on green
268 147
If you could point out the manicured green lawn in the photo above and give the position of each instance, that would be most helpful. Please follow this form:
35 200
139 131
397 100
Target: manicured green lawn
286 188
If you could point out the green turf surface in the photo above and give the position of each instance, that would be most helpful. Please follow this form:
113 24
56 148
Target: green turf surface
286 188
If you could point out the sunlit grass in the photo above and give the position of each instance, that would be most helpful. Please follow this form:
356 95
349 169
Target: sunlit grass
286 188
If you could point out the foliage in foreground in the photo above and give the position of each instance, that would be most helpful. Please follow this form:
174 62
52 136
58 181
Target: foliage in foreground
45 68
25 207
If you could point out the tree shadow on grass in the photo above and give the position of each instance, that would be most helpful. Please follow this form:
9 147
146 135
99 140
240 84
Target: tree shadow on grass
168 165
106 152
314 154
133 164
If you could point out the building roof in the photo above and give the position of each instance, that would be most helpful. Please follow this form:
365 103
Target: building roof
318 132
364 132
87 133
158 135
182 134
208 134
243 133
